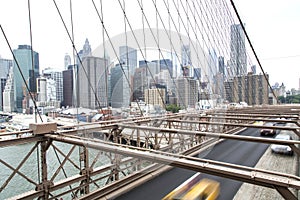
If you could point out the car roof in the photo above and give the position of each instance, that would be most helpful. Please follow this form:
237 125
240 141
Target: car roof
284 137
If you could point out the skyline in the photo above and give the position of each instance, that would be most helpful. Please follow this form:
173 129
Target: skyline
51 41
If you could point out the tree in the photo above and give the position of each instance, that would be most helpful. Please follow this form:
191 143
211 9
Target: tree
173 108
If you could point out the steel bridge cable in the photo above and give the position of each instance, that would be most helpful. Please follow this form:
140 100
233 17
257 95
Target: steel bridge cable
144 55
197 26
179 18
208 35
170 42
20 70
253 50
104 55
33 76
80 61
250 60
74 99
212 40
177 29
32 62
153 35
156 41
113 48
128 63
225 5
188 34
140 49
214 32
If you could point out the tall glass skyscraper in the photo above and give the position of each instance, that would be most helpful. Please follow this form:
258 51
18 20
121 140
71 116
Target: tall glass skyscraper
30 73
238 56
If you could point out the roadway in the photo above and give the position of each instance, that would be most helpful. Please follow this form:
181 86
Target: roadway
235 152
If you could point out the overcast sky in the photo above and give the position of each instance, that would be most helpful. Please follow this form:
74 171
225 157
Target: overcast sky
273 27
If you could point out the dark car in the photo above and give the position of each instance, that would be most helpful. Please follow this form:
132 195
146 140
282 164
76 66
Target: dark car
268 131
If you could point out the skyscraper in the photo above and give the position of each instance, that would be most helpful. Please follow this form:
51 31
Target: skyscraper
57 76
238 57
221 65
187 94
128 57
5 65
92 85
42 89
86 50
67 61
68 86
8 93
30 73
140 83
186 55
120 88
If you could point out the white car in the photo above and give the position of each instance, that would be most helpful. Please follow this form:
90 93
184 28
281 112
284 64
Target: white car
284 149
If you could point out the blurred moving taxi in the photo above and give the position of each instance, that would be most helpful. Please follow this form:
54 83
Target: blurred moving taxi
195 188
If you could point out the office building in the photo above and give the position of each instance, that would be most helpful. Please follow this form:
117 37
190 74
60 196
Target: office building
67 61
5 66
140 83
42 89
46 89
187 95
30 73
57 76
155 96
85 51
221 65
252 89
253 69
187 69
92 83
128 57
152 68
68 86
120 88
8 93
238 56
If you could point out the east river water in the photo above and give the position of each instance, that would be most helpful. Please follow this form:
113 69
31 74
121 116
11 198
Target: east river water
14 155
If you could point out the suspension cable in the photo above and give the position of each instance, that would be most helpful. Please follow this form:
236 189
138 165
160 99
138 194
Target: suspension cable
20 70
253 50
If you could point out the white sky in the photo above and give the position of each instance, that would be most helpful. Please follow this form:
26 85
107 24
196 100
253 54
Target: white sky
273 27
274 30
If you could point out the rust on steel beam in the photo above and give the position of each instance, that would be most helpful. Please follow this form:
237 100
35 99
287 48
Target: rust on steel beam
262 178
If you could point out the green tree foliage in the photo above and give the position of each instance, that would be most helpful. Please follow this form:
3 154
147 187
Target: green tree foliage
173 108
290 99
